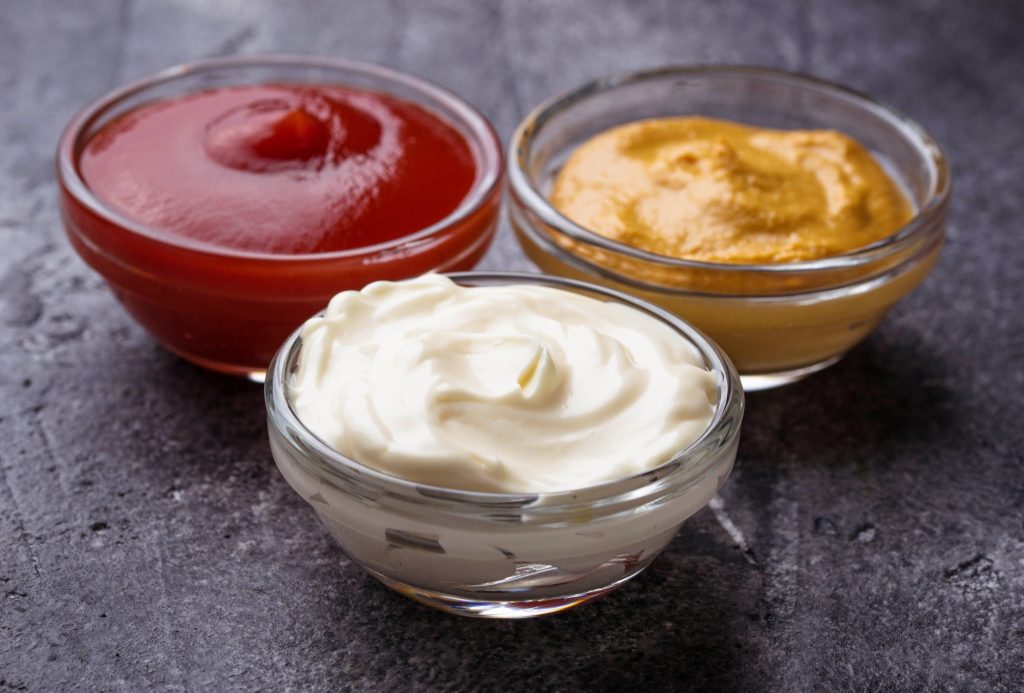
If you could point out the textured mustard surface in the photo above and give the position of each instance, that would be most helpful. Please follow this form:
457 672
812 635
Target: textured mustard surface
719 191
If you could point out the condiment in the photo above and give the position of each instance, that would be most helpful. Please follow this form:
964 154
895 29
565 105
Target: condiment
717 191
223 218
518 388
281 168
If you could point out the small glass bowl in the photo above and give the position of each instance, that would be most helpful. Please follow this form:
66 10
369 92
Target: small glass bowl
778 322
229 310
506 555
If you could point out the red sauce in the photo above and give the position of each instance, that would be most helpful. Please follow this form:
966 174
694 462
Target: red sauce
282 169
254 205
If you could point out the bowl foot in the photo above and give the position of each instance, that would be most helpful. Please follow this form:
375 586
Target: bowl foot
766 381
251 373
495 608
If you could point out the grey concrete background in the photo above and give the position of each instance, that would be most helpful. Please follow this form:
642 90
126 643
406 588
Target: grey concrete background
146 541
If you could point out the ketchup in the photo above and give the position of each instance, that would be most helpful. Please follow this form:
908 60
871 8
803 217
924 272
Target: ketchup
223 218
284 169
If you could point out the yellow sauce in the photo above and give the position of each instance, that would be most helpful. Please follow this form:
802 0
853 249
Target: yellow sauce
729 194
717 191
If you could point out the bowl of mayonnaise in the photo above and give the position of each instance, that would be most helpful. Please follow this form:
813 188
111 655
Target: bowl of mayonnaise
501 445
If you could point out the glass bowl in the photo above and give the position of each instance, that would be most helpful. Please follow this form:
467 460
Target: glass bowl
506 555
778 322
227 309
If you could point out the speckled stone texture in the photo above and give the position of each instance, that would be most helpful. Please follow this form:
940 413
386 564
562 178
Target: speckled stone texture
146 540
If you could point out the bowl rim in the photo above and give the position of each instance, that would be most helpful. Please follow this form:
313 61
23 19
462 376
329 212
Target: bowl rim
728 412
523 188
482 137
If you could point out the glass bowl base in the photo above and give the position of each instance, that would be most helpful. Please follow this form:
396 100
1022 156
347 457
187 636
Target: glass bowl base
495 608
766 381
251 373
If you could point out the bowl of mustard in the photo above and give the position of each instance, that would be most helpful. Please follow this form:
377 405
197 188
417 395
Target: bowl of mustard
781 214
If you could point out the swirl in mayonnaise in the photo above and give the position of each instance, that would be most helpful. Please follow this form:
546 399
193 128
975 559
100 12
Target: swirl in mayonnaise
514 388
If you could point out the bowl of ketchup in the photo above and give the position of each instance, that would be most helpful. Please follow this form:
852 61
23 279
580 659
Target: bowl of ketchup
226 201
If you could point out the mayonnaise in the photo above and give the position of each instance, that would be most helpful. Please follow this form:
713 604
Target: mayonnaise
515 388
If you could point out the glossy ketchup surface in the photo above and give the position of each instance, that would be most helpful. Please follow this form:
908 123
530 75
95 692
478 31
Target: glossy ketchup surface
282 169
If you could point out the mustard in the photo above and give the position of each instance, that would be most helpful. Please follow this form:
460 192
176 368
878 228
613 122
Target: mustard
718 191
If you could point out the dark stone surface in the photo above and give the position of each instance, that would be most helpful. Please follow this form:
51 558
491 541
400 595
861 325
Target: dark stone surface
146 539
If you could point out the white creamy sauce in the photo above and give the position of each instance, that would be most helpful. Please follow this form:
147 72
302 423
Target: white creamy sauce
515 388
